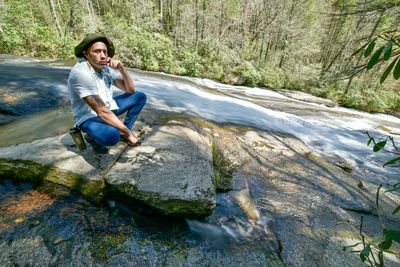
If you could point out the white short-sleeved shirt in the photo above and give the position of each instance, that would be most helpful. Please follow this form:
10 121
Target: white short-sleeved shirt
83 81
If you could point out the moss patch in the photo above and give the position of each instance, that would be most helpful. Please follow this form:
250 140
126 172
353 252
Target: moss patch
224 169
104 247
262 144
169 207
29 171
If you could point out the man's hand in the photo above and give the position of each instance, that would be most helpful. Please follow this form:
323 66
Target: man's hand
115 64
125 82
108 117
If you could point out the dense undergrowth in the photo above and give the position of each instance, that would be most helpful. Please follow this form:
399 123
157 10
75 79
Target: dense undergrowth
27 28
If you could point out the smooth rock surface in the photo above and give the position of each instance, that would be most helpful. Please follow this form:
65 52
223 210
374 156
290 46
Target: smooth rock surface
56 159
172 172
312 206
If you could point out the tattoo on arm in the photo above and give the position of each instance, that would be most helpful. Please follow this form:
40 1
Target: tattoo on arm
98 100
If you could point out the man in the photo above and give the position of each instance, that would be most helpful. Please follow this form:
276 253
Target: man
90 88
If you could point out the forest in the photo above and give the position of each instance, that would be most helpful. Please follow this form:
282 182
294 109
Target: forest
305 45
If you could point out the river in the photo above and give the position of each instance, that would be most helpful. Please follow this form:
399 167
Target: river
33 91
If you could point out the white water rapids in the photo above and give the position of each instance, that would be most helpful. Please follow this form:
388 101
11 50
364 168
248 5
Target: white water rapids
328 131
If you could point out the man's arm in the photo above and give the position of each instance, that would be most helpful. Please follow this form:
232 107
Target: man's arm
125 82
107 116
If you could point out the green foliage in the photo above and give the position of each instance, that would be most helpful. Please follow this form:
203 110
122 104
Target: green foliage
190 61
249 74
380 244
367 99
392 161
389 51
393 234
272 77
304 78
223 40
365 253
379 146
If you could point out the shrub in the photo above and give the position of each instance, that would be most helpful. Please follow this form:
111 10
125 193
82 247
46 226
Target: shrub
272 77
249 74
154 49
367 100
190 60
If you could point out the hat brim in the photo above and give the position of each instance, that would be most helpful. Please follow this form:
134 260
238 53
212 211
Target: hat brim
89 40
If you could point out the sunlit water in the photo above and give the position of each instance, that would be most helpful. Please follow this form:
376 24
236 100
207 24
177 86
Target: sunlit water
329 131
332 132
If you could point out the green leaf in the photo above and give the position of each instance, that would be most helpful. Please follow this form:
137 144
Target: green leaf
393 234
393 189
365 253
388 70
369 141
379 146
369 49
358 50
378 239
352 246
386 244
396 210
392 161
374 59
388 51
396 72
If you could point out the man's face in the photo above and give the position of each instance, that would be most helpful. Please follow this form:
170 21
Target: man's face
97 55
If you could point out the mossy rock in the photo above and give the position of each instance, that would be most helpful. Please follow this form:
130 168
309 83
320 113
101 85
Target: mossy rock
29 171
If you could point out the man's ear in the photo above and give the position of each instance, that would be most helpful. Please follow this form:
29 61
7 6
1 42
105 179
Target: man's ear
85 54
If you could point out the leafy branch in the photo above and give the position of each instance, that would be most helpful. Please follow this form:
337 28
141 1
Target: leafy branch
379 244
382 243
380 146
389 48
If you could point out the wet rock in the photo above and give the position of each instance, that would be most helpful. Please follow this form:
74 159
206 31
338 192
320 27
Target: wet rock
29 251
285 199
172 172
57 160
344 165
309 201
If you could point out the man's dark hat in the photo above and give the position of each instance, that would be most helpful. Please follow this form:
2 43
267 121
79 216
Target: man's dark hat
92 38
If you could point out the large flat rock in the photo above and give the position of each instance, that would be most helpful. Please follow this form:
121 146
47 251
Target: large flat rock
172 172
57 160
312 206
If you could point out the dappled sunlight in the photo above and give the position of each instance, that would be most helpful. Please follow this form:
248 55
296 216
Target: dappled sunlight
29 203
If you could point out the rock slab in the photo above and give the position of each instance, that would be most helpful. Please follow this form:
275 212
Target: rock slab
172 172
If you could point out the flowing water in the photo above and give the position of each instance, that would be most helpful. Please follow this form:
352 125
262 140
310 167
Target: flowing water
33 104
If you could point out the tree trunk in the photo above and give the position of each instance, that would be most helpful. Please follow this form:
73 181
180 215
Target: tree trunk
203 20
53 13
161 8
72 19
60 9
221 18
291 17
197 22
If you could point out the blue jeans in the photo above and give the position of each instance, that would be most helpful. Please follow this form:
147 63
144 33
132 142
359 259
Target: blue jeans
107 135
